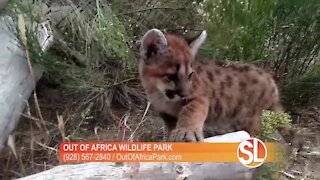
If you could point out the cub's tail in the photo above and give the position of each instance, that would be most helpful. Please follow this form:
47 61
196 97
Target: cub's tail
287 132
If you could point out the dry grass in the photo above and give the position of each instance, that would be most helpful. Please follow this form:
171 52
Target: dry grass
86 94
36 151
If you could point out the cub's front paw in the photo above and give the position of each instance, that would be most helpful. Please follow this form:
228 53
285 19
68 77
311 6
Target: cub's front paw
186 135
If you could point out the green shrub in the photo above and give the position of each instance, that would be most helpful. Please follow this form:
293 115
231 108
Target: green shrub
302 90
238 30
177 16
268 171
281 34
294 45
284 34
271 121
92 49
95 53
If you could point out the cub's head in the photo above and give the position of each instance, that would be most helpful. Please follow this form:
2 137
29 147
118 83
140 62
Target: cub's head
165 63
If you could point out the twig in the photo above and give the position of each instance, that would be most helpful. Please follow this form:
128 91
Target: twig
80 59
32 150
73 10
16 173
45 146
153 8
36 120
141 122
30 117
296 172
83 116
124 81
147 108
61 126
22 28
22 168
288 175
123 126
12 144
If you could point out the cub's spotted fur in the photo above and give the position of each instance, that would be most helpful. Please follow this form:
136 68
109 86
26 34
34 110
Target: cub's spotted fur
189 94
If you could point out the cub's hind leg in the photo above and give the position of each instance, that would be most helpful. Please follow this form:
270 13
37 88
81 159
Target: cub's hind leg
253 124
289 134
276 106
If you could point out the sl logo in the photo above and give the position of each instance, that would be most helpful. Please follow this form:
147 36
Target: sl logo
252 152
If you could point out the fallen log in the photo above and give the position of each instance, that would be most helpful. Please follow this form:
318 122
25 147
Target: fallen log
17 81
154 170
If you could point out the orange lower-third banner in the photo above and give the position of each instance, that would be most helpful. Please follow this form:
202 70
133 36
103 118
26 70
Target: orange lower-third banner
251 152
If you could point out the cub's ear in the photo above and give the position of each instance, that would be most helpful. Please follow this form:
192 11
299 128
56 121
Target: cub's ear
152 43
196 42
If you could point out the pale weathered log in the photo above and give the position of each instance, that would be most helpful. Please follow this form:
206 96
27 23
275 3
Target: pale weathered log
16 82
154 170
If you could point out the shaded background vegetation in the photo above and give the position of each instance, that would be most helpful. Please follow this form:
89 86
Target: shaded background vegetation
94 40
92 61
280 34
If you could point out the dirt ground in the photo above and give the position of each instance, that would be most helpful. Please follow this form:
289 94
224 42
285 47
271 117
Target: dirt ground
37 141
306 164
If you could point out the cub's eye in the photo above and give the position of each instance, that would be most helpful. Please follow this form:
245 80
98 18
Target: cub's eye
173 77
190 76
